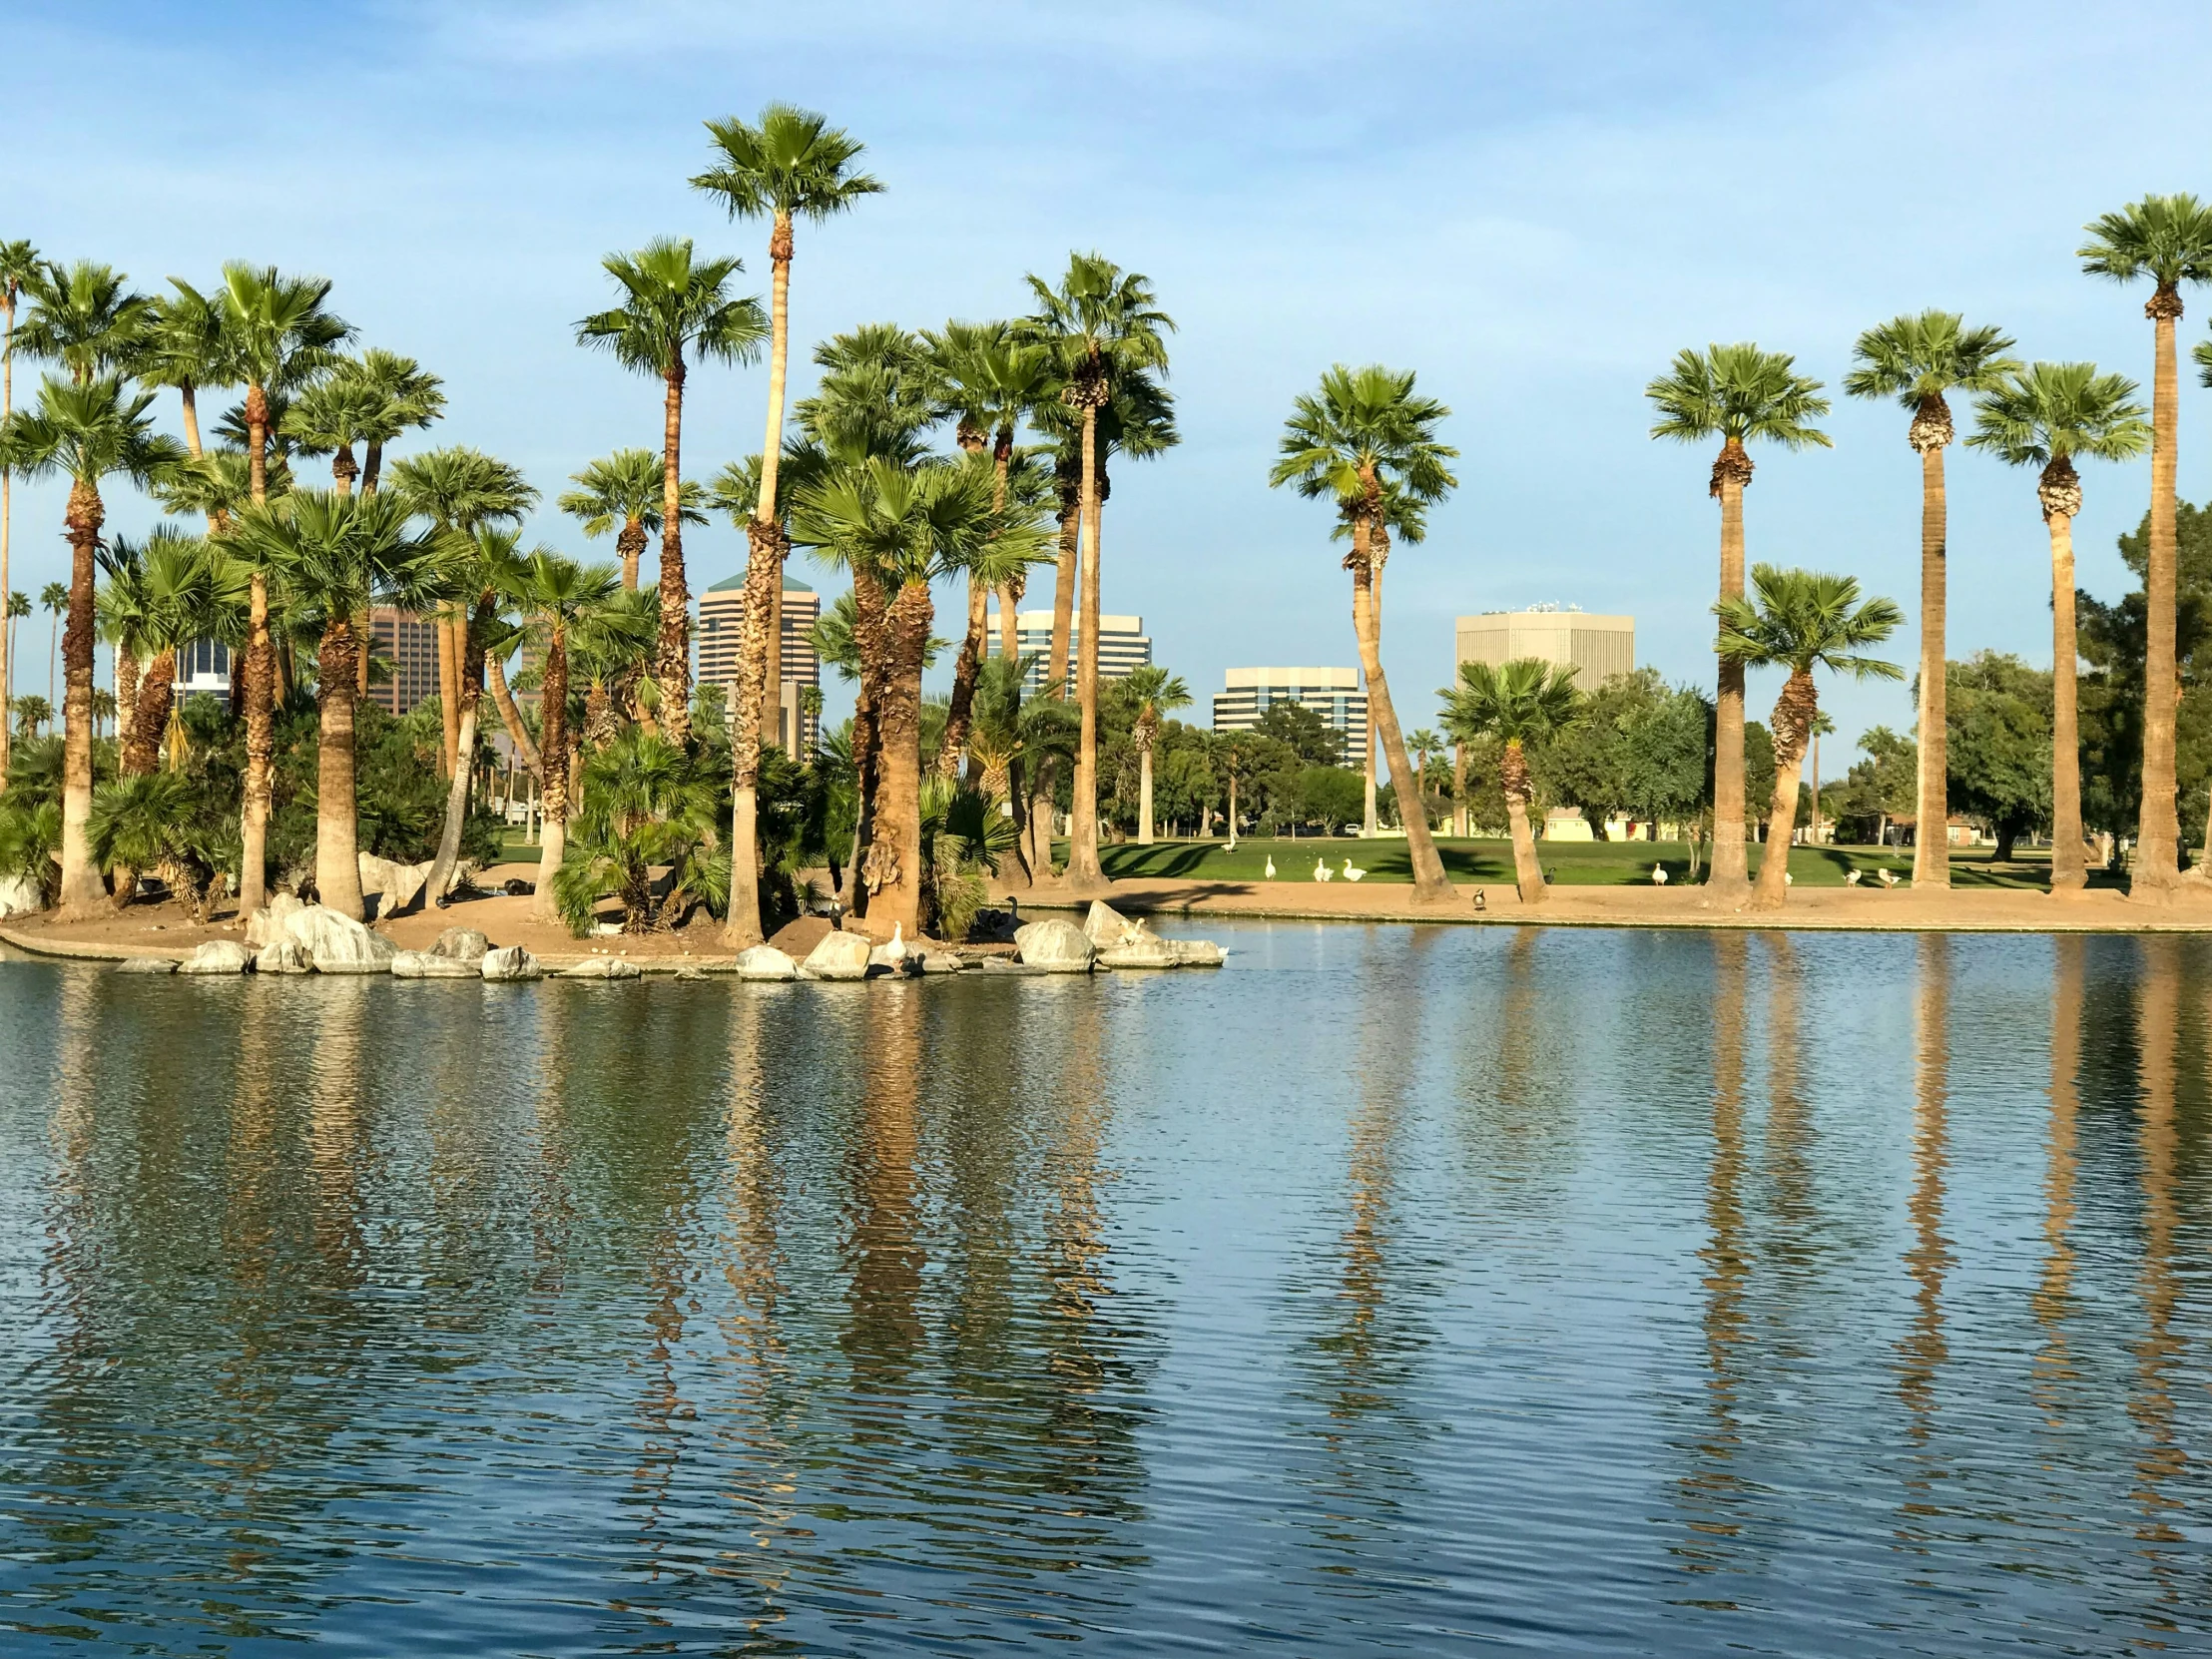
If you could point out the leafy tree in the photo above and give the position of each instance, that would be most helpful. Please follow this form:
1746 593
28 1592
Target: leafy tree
1667 759
1316 742
1916 360
1999 749
1734 394
647 803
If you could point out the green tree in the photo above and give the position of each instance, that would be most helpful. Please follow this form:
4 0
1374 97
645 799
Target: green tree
2043 417
53 599
2000 744
1800 620
1734 394
84 318
1366 441
1521 703
86 431
1156 693
674 309
1916 360
19 264
2167 239
162 594
627 488
556 596
1316 740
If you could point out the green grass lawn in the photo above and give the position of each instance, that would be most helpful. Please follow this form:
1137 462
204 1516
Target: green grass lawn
1571 863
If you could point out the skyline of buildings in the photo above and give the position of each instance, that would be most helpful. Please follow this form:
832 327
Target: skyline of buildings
1334 694
1123 645
715 654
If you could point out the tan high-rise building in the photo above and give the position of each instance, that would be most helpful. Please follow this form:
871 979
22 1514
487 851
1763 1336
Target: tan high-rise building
1600 646
409 643
721 614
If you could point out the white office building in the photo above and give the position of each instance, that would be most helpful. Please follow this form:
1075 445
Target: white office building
1600 646
1332 692
1123 645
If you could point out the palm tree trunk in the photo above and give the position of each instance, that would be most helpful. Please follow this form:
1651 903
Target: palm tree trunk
1370 820
1931 852
1232 812
1084 874
510 714
2158 832
1529 874
779 247
629 546
553 727
148 717
1067 574
893 865
1144 795
671 668
1729 876
464 770
1430 884
449 694
261 749
125 695
742 928
81 886
961 713
2068 867
1459 790
1793 713
338 857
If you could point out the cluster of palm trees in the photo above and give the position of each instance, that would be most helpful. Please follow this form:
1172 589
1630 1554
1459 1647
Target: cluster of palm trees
2046 415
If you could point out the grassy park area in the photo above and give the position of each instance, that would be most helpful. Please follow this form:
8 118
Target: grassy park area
1570 863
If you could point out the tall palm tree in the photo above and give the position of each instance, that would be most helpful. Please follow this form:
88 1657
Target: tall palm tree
790 165
84 318
906 526
2045 416
182 348
1521 703
19 261
1423 742
1155 692
1101 325
1916 360
53 599
1734 394
162 594
408 398
465 494
86 431
332 417
625 488
1799 621
1364 438
333 555
555 595
674 305
2169 240
277 335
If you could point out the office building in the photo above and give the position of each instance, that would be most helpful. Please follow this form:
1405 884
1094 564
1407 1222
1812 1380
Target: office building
721 614
1332 692
1123 645
406 644
1600 646
202 668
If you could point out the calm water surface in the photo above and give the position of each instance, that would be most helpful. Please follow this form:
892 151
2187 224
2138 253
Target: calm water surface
1397 1291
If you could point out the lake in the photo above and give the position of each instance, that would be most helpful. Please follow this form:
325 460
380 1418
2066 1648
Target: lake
1391 1290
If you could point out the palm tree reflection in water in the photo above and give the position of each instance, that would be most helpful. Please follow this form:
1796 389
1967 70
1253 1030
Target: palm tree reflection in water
2160 1460
1924 1349
2053 1302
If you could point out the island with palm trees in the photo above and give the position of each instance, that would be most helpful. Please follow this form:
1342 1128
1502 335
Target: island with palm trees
669 817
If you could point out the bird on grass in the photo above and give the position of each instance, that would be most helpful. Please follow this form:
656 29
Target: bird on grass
1889 877
1321 871
1271 867
1658 875
1851 879
1351 875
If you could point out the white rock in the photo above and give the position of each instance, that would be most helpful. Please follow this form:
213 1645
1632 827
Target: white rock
462 945
839 956
513 962
395 884
1144 949
267 924
20 896
1197 952
1054 946
216 957
1105 927
283 956
941 961
424 964
145 964
601 967
337 943
765 961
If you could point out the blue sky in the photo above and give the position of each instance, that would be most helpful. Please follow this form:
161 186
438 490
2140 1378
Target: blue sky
1533 207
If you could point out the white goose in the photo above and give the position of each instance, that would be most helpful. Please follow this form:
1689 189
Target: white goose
1321 871
1271 867
1851 879
894 953
1351 875
1887 878
1658 875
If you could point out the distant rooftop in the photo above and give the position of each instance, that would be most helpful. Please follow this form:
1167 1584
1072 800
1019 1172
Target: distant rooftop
731 584
1310 678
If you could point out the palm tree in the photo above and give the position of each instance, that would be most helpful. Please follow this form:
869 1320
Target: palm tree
646 804
674 305
555 594
1364 440
1734 394
84 318
53 599
183 348
625 488
1423 744
2045 416
162 594
1101 325
1521 703
1800 620
19 262
333 555
332 417
1821 727
1916 360
277 337
408 398
2169 240
790 165
86 431
906 527
32 714
1155 692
